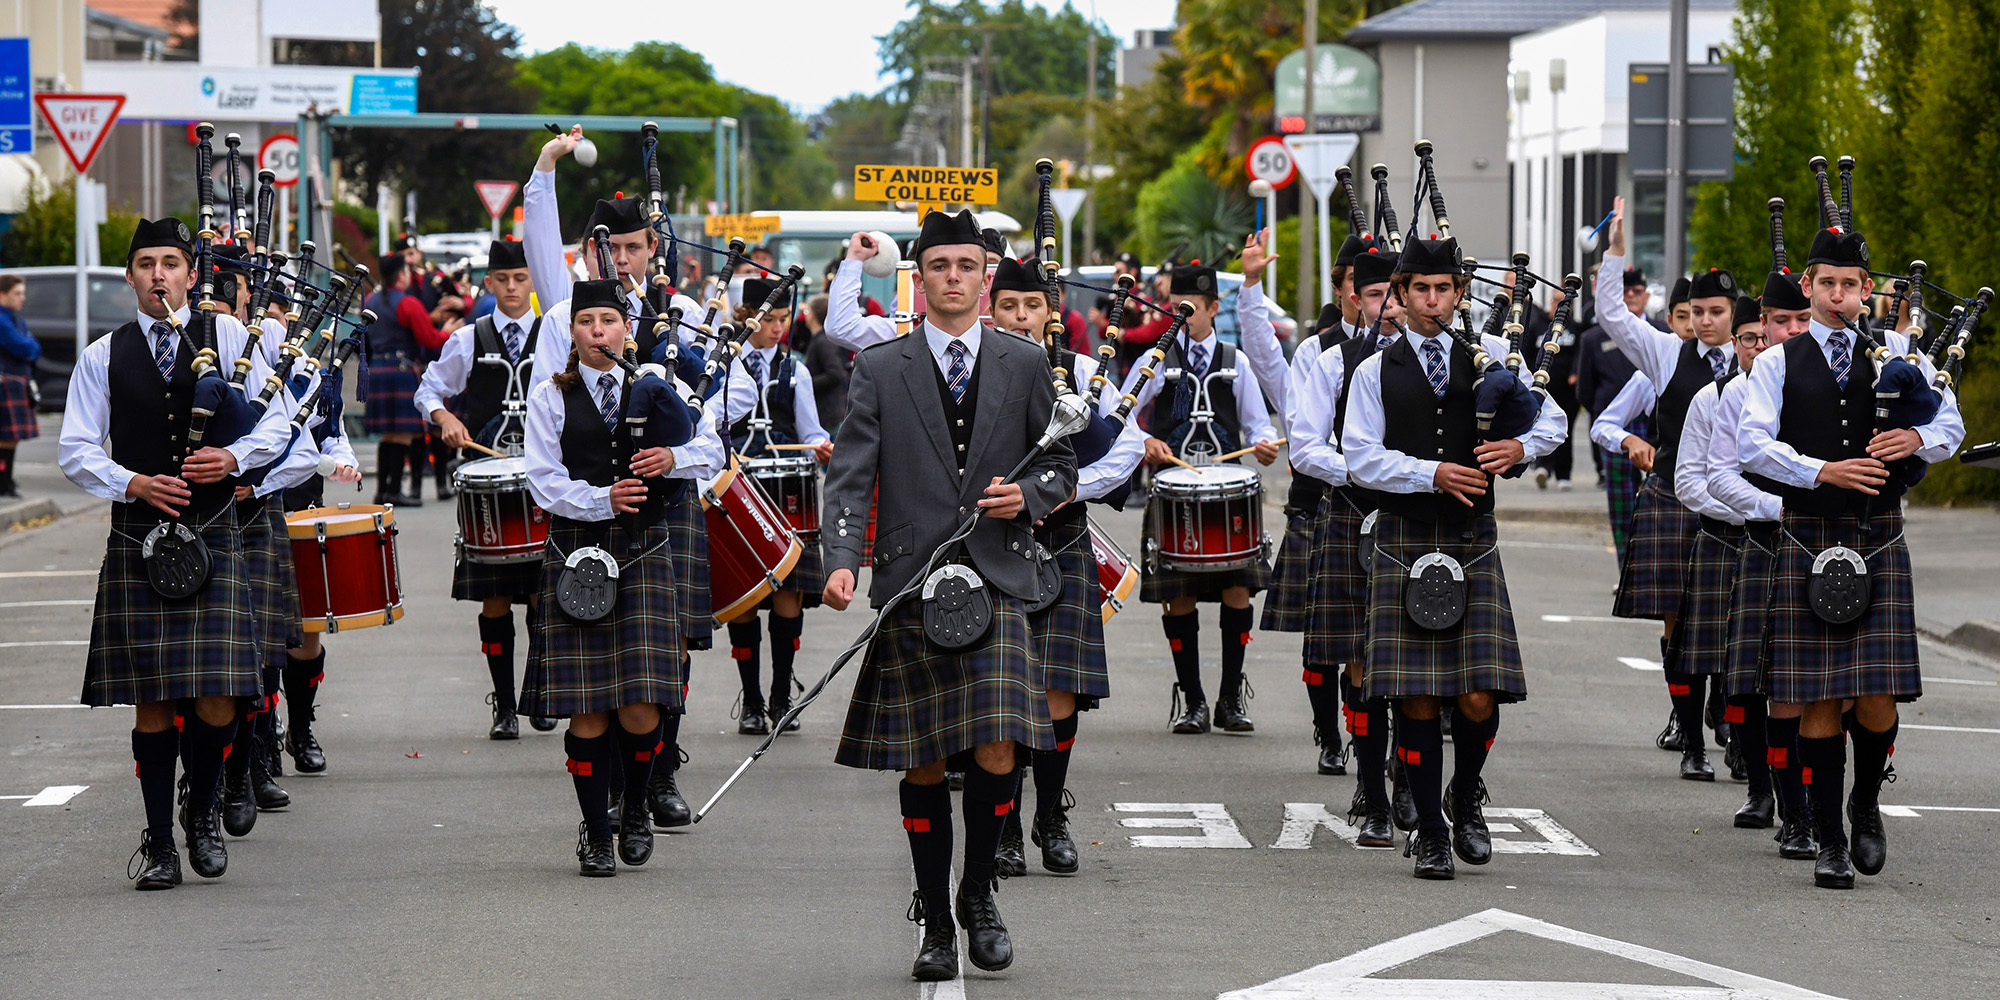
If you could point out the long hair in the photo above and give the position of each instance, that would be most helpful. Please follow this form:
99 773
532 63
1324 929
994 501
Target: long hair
568 378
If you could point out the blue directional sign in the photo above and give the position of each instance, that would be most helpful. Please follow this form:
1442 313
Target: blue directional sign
383 94
17 107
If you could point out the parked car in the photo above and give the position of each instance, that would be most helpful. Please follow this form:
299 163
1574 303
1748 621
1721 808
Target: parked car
1230 283
51 316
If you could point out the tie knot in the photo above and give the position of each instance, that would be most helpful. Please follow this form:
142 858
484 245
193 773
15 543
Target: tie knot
957 348
162 329
606 381
1432 347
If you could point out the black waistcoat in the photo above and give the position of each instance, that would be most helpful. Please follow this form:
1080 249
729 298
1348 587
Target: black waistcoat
591 453
1353 351
1821 420
1419 424
959 415
1691 375
388 338
1221 399
486 385
149 418
779 396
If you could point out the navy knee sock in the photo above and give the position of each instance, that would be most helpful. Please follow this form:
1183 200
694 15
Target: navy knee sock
1325 690
1688 693
202 748
155 755
1747 726
1871 760
1470 743
638 752
1781 751
1824 760
590 770
785 633
1235 624
1368 723
989 798
496 641
1420 746
1052 767
745 636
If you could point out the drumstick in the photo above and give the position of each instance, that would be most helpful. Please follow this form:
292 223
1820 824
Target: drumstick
1178 462
1240 452
476 446
790 447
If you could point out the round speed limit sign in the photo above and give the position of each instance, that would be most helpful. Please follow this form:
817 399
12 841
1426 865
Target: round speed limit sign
1269 161
280 155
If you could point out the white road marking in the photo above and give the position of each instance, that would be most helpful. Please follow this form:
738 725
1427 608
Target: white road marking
1913 810
43 706
1350 977
1572 546
1960 680
1901 812
36 573
1597 619
1555 839
1640 663
48 604
1217 828
55 795
1303 819
1949 729
953 988
46 642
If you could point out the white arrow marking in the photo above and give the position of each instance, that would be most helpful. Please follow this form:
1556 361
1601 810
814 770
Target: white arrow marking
55 795
1639 663
1217 828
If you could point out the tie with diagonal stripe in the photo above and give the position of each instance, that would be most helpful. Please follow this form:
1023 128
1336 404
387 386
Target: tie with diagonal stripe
607 403
1197 360
163 349
1718 363
1843 362
513 335
1434 367
755 362
957 375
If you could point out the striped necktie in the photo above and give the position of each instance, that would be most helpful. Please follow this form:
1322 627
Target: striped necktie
957 376
1197 360
1434 367
163 349
755 362
1843 362
607 405
1718 363
513 335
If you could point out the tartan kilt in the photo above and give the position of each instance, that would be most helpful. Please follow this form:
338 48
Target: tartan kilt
630 657
1338 624
392 407
1622 480
17 409
690 555
1653 572
1069 634
1874 655
477 581
145 648
1480 653
915 704
1158 586
1748 652
1288 605
267 558
807 578
1700 641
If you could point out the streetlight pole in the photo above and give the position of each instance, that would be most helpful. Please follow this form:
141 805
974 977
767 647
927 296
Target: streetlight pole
1676 213
1307 308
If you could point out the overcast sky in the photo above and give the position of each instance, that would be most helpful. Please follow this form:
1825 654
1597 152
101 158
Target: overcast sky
805 52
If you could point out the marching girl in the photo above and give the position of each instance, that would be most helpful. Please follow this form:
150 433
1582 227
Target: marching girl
625 662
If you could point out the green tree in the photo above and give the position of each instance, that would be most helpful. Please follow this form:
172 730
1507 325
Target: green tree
1035 50
43 234
1185 214
858 128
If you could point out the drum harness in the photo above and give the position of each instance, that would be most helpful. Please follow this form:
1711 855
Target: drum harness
508 429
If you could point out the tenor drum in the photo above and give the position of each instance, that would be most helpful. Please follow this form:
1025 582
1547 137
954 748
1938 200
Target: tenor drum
347 569
792 483
1206 520
1116 576
498 521
751 547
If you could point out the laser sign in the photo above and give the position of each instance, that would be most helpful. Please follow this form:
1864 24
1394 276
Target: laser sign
927 185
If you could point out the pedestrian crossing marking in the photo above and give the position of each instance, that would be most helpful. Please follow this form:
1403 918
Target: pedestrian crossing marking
1218 828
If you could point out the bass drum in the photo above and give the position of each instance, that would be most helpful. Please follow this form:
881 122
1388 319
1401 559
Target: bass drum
347 569
751 547
1116 574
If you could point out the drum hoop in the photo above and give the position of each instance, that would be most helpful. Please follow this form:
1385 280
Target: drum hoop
749 602
783 466
511 483
302 524
1242 488
720 486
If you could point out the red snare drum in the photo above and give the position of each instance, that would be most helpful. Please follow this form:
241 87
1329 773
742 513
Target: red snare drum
792 483
498 521
347 569
1206 520
1116 576
751 548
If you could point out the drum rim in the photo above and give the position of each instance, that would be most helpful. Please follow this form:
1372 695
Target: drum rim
1242 483
369 619
805 462
299 524
749 602
510 483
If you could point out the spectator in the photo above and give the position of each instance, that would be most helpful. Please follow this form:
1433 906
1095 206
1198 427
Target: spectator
18 353
830 365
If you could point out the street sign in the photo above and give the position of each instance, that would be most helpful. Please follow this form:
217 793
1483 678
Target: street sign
280 155
751 226
1271 162
17 111
80 122
1067 201
1320 156
946 185
1711 121
496 195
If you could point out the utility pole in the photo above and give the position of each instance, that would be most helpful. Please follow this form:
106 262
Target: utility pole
1677 81
1089 146
965 114
1307 308
985 94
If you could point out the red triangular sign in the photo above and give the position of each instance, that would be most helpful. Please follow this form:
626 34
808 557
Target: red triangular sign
80 122
496 195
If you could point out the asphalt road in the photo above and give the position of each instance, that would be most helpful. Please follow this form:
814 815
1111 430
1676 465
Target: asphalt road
430 862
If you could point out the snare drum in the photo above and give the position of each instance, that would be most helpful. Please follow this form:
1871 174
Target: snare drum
498 521
791 482
1206 520
751 548
1116 576
347 569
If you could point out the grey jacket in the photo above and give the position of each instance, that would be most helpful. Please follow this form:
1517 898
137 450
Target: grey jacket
895 439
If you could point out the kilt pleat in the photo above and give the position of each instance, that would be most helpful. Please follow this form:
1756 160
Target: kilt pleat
1069 634
1653 573
1876 654
288 576
391 404
476 581
274 591
807 578
1622 480
1480 653
690 555
1338 624
633 655
17 409
1700 640
146 648
915 704
1288 604
1750 612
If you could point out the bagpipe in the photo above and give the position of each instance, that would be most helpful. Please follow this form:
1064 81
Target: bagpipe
653 414
1094 440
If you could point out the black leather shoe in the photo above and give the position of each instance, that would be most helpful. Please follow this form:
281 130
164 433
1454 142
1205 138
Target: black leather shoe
663 800
1469 837
1230 716
1374 830
542 723
635 836
1433 854
1670 738
1010 860
305 751
269 794
1332 754
399 499
1757 813
595 858
779 706
937 954
1732 758
751 722
1051 834
986 941
506 726
239 807
1194 719
272 748
1834 870
1402 805
155 865
1796 841
1695 766
206 854
1870 843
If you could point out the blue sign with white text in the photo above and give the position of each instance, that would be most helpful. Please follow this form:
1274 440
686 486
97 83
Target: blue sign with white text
17 105
383 94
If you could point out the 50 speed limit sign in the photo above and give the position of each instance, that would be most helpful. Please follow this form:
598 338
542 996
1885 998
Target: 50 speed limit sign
1269 161
280 155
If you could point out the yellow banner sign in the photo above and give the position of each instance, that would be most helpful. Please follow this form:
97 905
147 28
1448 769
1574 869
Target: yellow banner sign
749 226
946 185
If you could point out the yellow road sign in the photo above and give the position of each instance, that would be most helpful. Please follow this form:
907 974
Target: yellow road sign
947 185
749 225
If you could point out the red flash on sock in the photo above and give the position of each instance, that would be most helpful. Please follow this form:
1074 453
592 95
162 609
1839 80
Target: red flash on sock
1245 641
1357 722
916 824
1314 677
1733 713
742 652
1805 776
316 678
1004 808
1174 644
490 648
1410 758
1062 746
795 645
1677 690
580 768
1777 757
1489 743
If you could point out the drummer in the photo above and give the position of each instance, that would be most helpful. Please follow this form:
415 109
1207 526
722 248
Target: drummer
769 384
482 389
1239 417
1068 635
628 664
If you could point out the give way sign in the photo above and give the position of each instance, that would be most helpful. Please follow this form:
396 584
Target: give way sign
495 195
80 123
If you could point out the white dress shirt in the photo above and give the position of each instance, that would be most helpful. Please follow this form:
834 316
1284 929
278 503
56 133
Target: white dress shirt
1315 398
1726 485
87 415
1372 464
1258 340
846 322
745 396
1692 463
1635 400
1656 353
1250 413
1757 433
445 377
1107 473
548 478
